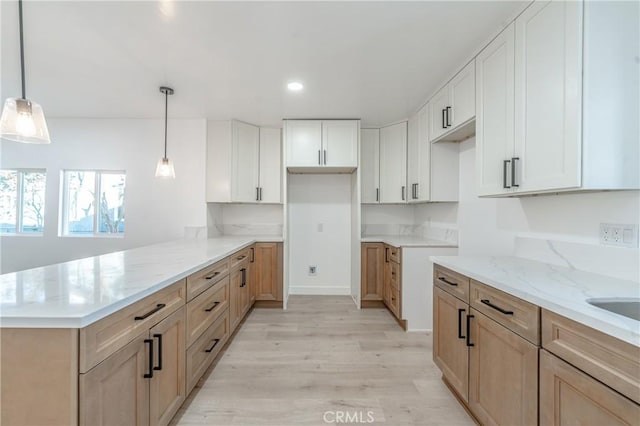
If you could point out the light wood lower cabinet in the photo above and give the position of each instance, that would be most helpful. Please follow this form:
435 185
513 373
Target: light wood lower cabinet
570 397
267 272
392 284
372 274
503 374
238 294
450 351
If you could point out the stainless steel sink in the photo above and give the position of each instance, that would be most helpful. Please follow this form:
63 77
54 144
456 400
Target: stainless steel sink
626 306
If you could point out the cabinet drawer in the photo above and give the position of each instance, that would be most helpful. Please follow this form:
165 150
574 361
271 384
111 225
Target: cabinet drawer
517 315
206 277
206 308
201 354
241 258
451 282
394 275
104 337
392 254
394 302
614 362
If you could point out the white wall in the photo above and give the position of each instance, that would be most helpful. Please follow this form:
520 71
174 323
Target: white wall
565 226
155 209
319 232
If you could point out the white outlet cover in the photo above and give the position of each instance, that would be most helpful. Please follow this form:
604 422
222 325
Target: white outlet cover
620 235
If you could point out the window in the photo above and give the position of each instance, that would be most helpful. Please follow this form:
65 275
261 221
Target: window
88 214
22 201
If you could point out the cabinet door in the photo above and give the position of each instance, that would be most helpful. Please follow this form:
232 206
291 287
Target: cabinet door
253 282
304 143
462 94
494 114
450 352
245 157
570 397
270 181
340 143
115 392
548 96
372 275
423 185
393 163
413 157
438 123
235 298
167 386
503 374
268 271
370 166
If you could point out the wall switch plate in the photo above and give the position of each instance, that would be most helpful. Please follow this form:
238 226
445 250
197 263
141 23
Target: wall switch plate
620 235
313 270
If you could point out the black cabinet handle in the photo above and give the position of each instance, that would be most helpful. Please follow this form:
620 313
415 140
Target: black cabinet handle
253 255
325 157
159 337
403 188
212 308
319 158
460 312
150 373
444 123
151 312
386 254
513 172
497 308
448 116
257 194
212 276
260 193
446 281
377 194
504 174
215 342
244 277
469 344
244 256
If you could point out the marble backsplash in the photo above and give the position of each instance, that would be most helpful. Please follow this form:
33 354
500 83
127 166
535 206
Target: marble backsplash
409 230
257 229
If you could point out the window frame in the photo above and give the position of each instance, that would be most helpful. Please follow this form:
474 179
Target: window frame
64 214
20 201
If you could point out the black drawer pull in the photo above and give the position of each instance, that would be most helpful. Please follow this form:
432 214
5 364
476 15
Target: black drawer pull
460 312
497 308
241 257
213 307
150 373
469 344
159 337
444 280
215 342
151 312
215 274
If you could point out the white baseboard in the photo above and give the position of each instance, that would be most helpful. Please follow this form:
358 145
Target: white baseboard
419 330
321 291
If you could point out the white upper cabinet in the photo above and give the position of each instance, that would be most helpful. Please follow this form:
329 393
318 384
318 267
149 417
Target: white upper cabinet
245 162
419 158
494 114
452 109
340 143
370 166
270 187
393 163
322 144
548 97
557 100
304 143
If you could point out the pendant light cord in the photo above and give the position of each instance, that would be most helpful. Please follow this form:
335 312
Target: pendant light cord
24 91
166 108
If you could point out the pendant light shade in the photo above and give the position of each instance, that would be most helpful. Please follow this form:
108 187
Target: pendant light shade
165 169
23 120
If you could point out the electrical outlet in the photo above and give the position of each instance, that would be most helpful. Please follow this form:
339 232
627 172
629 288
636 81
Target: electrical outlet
313 270
621 235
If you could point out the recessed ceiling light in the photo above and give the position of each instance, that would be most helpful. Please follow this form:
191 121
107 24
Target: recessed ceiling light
295 86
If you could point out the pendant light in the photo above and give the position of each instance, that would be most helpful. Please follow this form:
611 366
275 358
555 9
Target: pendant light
23 120
165 166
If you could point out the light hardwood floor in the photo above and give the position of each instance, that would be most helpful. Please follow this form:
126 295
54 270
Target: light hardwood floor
322 354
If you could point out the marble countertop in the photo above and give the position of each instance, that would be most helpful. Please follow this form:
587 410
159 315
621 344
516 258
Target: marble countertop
555 288
77 293
406 241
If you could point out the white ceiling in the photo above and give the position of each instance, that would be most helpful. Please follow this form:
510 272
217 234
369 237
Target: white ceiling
372 60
